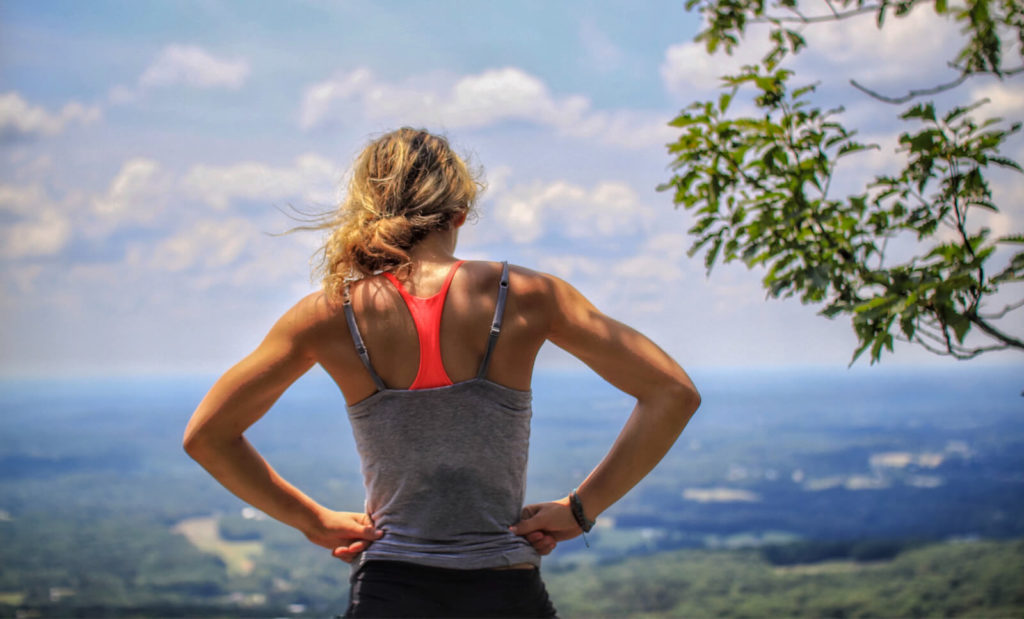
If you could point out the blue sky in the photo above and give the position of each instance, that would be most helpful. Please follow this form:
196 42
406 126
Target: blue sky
148 150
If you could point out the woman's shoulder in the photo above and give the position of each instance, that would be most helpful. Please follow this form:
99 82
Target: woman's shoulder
312 313
522 280
530 291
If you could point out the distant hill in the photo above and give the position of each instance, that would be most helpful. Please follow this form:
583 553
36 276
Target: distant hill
962 579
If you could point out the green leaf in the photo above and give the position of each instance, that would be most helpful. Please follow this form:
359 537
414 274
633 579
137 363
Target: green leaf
724 99
961 325
712 254
1006 163
907 326
860 350
924 111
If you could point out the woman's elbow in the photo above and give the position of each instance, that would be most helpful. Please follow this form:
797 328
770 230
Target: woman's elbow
196 442
685 399
192 443
675 400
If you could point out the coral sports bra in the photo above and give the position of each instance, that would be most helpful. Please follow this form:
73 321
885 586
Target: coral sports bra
426 314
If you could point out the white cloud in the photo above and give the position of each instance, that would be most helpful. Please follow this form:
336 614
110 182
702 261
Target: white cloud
209 244
720 495
491 97
609 208
908 50
658 261
37 229
21 199
20 118
626 128
689 71
137 193
43 235
312 177
472 101
319 98
187 65
1005 100
194 66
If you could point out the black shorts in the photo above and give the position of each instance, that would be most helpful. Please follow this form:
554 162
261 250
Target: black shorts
398 589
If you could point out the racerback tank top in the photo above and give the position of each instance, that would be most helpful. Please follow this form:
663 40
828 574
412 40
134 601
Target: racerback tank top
445 466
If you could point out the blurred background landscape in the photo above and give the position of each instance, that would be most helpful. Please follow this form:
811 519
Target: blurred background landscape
152 153
796 492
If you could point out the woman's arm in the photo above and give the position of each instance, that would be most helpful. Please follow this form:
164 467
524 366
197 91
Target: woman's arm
666 399
214 437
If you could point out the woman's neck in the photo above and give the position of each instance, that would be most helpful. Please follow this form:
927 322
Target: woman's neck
436 247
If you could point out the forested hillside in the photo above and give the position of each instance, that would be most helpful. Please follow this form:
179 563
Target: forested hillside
966 579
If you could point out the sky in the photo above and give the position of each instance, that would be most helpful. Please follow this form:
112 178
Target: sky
151 153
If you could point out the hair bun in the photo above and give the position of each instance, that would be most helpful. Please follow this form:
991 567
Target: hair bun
417 183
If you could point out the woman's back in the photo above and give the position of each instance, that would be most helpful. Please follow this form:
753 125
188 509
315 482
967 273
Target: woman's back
390 335
443 458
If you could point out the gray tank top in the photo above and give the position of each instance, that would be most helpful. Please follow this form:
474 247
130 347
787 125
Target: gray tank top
445 467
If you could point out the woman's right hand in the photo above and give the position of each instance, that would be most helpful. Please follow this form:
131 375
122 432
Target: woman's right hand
345 534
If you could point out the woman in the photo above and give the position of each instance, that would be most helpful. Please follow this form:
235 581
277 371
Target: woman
434 358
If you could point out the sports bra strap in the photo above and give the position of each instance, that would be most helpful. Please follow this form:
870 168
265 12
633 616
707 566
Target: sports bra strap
499 314
353 328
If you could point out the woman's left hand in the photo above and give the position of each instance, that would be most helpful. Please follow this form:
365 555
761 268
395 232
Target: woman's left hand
546 524
345 534
541 542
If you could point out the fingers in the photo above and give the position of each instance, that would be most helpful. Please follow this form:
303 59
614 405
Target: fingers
350 552
370 532
529 511
541 542
533 519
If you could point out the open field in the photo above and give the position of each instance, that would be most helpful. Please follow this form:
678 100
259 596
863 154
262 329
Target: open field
203 533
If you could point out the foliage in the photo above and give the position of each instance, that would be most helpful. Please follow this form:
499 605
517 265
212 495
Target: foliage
815 551
760 187
957 579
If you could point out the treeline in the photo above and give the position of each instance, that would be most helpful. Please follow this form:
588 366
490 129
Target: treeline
813 551
968 579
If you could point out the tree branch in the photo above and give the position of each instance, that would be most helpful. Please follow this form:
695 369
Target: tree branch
803 19
1006 310
935 337
913 94
952 350
962 355
995 333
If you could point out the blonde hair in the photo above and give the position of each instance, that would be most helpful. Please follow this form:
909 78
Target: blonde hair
404 185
